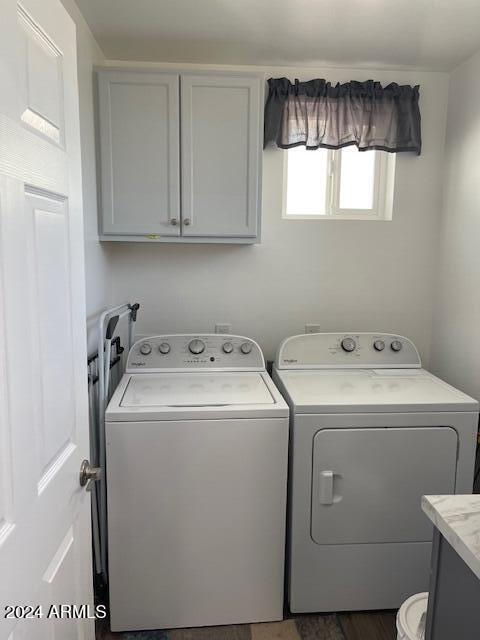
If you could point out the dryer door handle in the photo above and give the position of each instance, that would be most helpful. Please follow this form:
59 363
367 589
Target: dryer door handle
326 487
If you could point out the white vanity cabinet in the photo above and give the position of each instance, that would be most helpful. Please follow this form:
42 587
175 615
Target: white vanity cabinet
180 156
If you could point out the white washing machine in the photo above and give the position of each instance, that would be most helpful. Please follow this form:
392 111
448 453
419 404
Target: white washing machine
371 432
196 447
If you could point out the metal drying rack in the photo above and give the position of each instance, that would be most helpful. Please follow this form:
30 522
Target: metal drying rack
108 345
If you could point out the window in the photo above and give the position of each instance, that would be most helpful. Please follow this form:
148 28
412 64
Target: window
345 183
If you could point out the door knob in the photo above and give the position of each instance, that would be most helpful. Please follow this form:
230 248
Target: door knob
186 222
174 221
89 475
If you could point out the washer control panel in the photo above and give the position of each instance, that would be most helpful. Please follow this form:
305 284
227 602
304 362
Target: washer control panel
347 350
207 351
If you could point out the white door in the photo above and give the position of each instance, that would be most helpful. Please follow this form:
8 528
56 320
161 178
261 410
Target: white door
45 553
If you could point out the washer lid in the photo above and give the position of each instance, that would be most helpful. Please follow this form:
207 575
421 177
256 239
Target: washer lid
196 390
369 390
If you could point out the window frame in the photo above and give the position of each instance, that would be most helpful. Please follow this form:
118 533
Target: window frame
384 182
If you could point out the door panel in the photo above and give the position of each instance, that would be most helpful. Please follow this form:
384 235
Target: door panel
50 264
43 390
221 155
6 477
43 75
59 586
139 136
367 483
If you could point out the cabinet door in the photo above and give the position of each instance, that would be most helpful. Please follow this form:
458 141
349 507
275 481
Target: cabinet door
221 155
139 138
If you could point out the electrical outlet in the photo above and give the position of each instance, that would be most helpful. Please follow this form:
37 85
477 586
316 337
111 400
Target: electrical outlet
312 328
222 327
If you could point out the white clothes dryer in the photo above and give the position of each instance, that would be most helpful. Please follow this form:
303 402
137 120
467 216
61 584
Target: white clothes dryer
371 432
196 453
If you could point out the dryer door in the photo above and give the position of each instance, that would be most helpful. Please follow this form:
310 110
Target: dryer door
367 483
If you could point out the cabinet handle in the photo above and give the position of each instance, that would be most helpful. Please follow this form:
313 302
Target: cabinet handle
186 222
174 221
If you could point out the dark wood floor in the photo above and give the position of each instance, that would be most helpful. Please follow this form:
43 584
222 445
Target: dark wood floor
343 626
368 626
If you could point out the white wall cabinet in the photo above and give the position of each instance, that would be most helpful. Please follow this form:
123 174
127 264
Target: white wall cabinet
180 156
139 148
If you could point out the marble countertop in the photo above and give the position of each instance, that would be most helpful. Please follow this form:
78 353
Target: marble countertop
458 520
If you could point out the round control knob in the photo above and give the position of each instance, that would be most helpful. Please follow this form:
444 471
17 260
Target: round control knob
379 345
164 348
227 347
349 344
396 345
246 348
196 346
145 349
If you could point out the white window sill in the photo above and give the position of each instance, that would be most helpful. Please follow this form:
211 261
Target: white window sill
339 217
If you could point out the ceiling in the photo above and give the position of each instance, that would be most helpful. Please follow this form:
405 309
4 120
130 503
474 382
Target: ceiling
427 34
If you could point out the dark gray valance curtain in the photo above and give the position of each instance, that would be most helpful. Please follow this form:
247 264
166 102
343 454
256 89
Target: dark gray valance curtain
317 114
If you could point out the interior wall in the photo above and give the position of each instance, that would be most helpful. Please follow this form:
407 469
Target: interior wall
96 258
456 315
343 275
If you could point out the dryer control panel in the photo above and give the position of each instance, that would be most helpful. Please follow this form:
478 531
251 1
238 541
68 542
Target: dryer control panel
195 351
347 351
